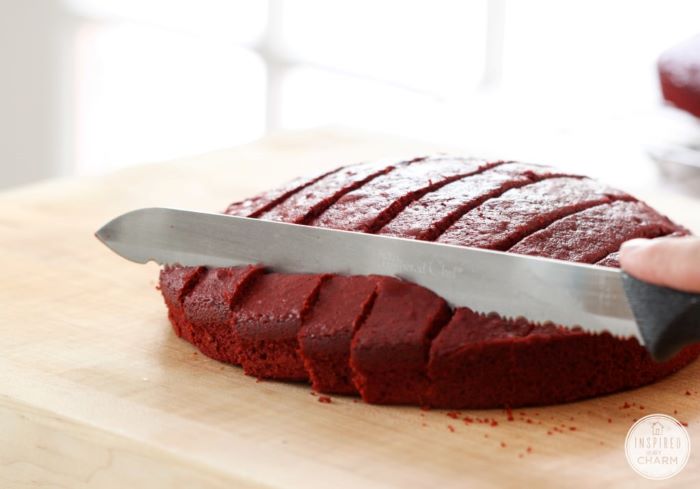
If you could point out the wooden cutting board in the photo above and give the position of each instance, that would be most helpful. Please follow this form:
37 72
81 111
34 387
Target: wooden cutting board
96 391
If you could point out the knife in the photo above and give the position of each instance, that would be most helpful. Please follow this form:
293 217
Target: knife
592 297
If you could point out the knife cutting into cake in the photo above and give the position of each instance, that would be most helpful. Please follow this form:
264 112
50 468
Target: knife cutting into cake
441 281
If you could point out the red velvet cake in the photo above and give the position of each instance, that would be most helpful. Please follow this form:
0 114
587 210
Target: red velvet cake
679 73
395 342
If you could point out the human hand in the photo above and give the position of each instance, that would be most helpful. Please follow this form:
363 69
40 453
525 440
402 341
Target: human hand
671 262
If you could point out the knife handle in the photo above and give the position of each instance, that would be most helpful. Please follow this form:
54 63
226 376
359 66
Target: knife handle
668 319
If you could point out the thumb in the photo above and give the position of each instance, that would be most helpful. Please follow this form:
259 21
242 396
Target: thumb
671 262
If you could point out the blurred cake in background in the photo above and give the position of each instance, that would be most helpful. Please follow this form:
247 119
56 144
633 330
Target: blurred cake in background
676 140
679 72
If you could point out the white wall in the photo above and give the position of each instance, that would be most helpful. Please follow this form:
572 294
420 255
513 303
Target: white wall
35 121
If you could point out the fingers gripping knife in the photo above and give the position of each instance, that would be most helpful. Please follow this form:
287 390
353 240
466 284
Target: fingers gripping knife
592 297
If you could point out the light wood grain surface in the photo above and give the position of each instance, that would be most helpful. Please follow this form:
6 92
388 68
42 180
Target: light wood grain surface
96 391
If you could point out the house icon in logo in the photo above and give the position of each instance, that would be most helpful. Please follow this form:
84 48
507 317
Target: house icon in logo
657 429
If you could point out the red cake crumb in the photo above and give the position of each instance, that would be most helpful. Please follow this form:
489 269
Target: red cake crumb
451 428
389 352
324 338
267 322
325 399
687 393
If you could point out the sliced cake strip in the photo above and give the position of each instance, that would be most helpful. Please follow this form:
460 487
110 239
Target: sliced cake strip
267 321
592 234
325 336
469 362
175 283
501 222
389 352
612 260
370 207
312 200
429 216
257 205
208 310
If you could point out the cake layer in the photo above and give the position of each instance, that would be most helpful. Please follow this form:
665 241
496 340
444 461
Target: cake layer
592 234
371 206
429 216
389 352
267 321
499 223
208 310
324 338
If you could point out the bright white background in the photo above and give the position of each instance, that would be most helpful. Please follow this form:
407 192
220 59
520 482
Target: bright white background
89 86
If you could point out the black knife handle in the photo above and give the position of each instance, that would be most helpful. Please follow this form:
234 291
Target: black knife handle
668 319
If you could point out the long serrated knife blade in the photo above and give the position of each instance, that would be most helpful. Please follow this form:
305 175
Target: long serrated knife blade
538 289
